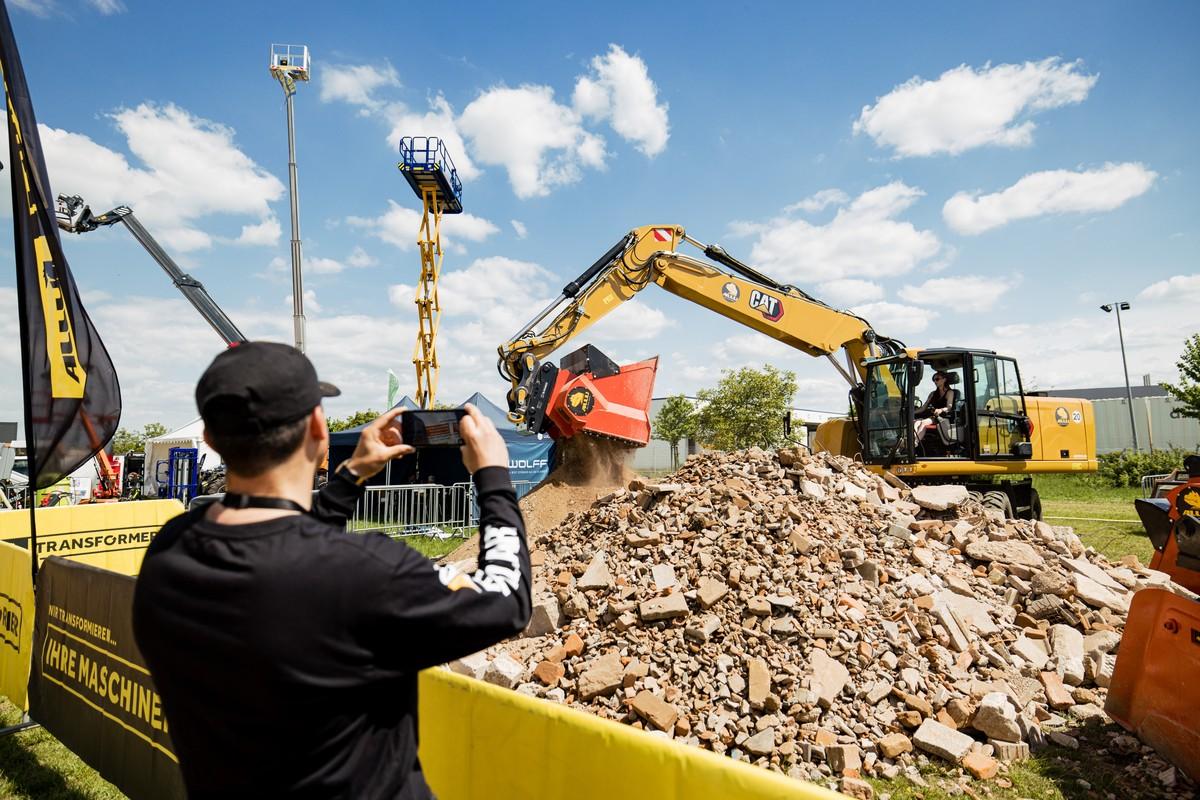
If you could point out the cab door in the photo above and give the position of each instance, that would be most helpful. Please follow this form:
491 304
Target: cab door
888 410
1001 422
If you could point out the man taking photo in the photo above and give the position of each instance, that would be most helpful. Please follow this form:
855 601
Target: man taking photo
285 650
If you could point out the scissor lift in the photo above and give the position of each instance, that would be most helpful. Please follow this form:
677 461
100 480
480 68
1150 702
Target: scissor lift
430 172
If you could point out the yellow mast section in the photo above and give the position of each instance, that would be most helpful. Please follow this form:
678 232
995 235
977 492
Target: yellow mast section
429 310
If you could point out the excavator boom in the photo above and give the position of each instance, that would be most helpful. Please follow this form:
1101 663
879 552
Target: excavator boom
545 398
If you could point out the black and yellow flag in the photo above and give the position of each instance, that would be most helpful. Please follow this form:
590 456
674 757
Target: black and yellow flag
72 398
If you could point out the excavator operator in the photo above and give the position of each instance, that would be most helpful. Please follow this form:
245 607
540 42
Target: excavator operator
940 403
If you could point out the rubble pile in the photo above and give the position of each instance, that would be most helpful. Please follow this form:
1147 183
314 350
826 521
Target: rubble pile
799 612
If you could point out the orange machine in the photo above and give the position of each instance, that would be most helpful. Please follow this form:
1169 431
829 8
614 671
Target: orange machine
1154 692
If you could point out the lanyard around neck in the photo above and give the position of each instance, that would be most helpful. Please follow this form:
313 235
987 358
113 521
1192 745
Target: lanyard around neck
232 500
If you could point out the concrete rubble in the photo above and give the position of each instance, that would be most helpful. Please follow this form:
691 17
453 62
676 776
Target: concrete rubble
798 612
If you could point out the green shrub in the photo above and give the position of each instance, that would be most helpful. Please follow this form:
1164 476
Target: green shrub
1126 468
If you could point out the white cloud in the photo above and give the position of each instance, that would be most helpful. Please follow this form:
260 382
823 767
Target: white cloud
39 8
107 7
1180 288
193 170
266 233
1080 351
966 108
539 142
818 201
310 305
357 84
1056 191
438 121
863 239
520 228
961 294
360 258
398 226
895 319
848 291
321 266
619 89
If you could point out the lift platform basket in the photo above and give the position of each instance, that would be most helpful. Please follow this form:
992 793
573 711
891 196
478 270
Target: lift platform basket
426 165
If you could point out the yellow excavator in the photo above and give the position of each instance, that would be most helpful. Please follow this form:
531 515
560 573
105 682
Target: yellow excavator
993 437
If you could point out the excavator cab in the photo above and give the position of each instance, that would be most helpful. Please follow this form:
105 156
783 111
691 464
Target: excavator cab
984 416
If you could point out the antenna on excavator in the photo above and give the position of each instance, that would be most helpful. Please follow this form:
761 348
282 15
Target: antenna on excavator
428 169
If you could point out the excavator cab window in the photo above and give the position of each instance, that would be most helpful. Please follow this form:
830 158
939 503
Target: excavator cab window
888 409
1000 417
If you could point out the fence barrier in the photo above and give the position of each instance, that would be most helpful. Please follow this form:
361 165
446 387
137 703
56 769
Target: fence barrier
413 509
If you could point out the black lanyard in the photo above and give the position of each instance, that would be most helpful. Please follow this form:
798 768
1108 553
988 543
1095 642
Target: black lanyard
253 501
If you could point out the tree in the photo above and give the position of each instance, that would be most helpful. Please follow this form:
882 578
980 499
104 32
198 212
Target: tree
1187 391
674 421
125 441
746 409
352 421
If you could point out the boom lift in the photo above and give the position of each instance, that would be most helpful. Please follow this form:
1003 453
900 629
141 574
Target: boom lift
76 217
993 429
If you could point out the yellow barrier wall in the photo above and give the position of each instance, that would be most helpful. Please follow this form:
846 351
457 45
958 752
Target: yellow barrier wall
111 536
481 742
16 621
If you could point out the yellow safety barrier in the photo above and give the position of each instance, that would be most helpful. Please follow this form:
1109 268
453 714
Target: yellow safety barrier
16 622
479 742
111 536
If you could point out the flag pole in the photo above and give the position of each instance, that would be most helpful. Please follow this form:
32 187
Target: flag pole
27 387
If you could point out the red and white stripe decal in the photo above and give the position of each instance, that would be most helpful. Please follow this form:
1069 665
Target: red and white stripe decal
662 234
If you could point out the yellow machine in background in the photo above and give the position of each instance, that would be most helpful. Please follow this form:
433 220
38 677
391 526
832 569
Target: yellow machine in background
994 438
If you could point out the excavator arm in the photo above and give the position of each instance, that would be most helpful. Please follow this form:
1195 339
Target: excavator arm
587 392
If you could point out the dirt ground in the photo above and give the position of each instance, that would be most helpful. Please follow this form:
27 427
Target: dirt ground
588 469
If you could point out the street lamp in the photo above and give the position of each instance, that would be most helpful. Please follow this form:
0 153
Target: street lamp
1108 308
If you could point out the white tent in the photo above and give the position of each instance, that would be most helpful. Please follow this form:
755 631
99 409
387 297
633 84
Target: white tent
159 449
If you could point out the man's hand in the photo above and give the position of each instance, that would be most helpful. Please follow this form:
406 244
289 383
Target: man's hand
482 444
378 444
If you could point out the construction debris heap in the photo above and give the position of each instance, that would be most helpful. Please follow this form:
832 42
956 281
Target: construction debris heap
802 613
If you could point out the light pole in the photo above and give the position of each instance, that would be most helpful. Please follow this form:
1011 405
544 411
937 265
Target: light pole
1108 308
289 63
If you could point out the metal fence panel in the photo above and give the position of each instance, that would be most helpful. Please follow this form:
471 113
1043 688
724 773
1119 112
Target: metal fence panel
412 509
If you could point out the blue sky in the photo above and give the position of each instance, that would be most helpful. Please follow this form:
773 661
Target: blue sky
959 175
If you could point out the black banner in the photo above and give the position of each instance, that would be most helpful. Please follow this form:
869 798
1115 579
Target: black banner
89 685
73 400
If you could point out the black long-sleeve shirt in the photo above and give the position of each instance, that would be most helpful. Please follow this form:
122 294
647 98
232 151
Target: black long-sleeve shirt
286 652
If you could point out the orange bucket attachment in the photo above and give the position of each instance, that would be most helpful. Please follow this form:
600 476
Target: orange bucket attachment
615 406
1155 691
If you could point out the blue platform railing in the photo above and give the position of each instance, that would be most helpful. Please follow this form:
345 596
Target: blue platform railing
424 159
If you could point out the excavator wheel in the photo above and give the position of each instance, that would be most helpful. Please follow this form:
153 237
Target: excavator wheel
998 501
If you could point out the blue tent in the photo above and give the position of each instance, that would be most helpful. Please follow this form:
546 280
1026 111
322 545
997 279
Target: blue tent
530 457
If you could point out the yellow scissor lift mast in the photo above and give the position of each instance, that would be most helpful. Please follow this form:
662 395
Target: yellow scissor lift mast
430 172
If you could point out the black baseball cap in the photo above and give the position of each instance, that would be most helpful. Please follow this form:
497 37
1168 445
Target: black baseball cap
255 386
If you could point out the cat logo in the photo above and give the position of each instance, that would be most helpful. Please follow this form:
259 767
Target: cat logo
1062 417
1188 504
731 292
770 307
580 401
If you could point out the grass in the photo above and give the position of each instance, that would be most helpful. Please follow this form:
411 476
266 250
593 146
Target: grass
1053 773
429 546
1087 505
35 766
